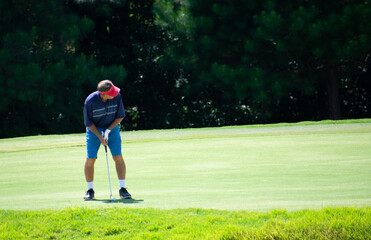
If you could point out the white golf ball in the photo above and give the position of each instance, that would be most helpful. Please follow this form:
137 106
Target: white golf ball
114 199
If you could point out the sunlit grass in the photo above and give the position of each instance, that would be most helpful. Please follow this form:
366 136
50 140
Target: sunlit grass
120 223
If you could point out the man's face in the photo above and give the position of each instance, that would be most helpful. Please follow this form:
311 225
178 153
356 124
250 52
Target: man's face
105 97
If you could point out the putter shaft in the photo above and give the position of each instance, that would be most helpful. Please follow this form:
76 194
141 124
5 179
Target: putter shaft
109 178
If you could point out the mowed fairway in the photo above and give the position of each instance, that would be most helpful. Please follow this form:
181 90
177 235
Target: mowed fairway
253 168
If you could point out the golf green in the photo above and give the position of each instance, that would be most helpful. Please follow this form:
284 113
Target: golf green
255 168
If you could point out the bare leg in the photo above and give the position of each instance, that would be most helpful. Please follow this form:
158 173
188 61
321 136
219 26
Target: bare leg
120 167
89 169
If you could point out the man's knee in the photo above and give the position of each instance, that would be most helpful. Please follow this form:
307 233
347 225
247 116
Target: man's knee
118 158
90 161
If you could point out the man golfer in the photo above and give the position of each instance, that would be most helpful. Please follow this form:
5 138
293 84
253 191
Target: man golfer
103 112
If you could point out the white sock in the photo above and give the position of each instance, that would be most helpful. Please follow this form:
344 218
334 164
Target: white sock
90 185
122 183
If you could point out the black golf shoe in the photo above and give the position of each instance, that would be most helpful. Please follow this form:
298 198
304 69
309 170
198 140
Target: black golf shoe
124 193
89 195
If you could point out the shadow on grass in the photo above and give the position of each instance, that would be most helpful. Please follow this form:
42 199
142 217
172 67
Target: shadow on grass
124 201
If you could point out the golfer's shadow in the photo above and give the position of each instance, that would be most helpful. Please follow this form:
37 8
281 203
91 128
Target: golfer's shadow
124 201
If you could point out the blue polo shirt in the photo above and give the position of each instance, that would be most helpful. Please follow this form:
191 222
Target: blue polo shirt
102 114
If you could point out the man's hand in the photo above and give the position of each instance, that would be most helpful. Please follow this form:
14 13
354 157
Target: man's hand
101 138
99 135
105 135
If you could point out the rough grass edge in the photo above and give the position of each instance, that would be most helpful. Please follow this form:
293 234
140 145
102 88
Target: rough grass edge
121 223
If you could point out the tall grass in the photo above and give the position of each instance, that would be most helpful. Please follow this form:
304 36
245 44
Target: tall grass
120 223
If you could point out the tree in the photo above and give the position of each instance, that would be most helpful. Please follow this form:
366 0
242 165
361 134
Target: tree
332 39
43 80
281 60
125 34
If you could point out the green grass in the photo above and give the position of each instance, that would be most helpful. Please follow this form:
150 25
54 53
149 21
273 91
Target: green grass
317 173
121 223
292 166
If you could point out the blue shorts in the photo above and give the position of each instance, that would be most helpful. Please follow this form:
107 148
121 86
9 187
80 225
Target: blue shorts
93 143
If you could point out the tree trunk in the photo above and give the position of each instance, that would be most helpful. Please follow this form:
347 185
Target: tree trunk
333 94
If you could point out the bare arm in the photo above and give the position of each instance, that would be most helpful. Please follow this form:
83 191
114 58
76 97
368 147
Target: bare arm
115 123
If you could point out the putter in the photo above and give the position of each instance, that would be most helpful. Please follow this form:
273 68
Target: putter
109 178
